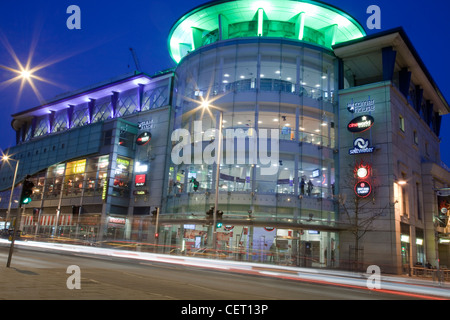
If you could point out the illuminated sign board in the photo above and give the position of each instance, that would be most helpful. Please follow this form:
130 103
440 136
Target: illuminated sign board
361 106
145 125
228 228
105 188
444 209
363 189
143 138
117 220
80 166
123 162
103 162
362 170
140 179
76 167
361 146
361 124
140 192
60 169
140 167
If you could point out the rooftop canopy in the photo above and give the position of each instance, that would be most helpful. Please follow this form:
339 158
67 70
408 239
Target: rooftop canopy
310 21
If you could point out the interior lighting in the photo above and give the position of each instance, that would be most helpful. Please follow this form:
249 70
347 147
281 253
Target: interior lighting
205 104
260 21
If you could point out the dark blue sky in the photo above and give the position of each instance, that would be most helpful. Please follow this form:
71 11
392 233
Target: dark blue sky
100 50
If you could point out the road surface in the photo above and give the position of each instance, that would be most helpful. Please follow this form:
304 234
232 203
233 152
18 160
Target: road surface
113 278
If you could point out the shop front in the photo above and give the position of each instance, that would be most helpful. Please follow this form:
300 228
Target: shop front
304 248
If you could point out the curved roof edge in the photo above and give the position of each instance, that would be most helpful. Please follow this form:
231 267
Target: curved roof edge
209 22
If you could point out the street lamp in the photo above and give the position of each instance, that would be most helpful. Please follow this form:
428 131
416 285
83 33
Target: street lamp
25 74
7 158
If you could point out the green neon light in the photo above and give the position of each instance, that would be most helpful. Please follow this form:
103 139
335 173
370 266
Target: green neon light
301 26
260 21
310 21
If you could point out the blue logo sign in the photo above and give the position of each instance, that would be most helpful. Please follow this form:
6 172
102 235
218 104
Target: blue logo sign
361 146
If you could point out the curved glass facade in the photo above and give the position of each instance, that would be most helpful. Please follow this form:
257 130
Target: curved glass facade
275 86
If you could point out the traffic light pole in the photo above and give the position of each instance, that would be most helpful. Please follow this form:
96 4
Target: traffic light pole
25 197
11 247
156 227
216 200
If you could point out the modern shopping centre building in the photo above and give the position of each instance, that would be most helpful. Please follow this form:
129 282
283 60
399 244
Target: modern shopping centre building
329 149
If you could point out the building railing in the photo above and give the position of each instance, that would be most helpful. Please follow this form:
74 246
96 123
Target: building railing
439 275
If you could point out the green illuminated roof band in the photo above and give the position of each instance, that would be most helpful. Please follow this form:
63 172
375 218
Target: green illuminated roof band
310 21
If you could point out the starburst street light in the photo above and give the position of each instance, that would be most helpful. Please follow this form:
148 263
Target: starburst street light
25 73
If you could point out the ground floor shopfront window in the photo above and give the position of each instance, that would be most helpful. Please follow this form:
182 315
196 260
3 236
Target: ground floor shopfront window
305 248
85 228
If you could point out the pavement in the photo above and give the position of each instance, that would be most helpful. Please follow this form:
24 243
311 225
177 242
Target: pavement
19 283
26 283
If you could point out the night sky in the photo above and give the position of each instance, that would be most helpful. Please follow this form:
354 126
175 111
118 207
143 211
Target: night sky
100 50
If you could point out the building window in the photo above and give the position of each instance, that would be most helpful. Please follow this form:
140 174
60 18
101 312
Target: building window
108 138
74 178
127 105
80 116
416 138
419 212
404 202
126 139
102 112
41 127
122 176
401 123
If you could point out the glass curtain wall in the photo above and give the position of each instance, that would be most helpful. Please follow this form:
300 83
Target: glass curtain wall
258 85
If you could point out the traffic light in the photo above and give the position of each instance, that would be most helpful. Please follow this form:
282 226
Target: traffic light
196 184
209 213
219 214
154 215
27 191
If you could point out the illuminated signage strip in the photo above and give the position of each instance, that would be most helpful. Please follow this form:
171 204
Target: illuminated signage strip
105 188
123 162
361 124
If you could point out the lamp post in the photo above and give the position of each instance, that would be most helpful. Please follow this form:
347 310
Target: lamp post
216 199
11 248
7 159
